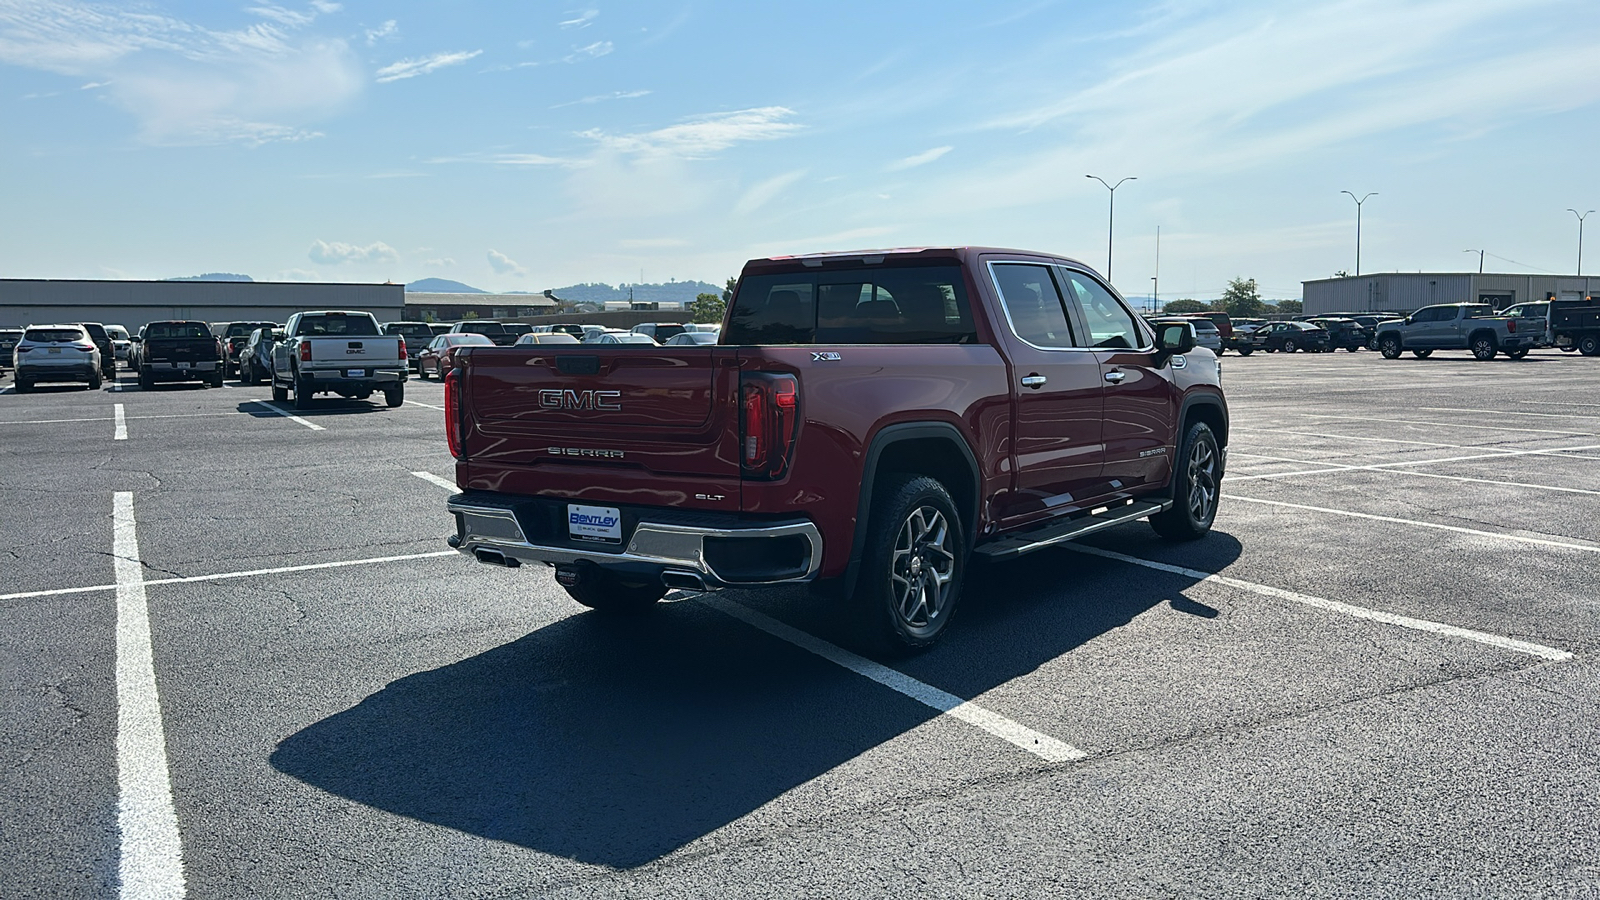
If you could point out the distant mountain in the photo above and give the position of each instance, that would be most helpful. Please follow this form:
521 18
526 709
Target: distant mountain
671 292
441 286
213 276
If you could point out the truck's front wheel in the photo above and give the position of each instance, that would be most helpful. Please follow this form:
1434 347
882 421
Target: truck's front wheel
911 567
1196 485
605 592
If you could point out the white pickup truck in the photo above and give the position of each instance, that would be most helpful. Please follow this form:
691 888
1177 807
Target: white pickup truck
338 352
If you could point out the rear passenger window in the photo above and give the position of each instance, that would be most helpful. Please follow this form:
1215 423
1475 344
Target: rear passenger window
1110 324
870 305
1033 304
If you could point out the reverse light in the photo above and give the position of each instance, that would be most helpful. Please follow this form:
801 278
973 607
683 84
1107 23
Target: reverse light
769 407
452 412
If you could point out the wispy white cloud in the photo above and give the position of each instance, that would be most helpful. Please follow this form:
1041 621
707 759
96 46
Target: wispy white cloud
596 49
330 253
504 265
507 159
759 194
185 83
389 30
920 159
423 65
601 98
582 20
443 262
704 135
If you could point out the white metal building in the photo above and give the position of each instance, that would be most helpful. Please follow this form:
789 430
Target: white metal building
1403 292
25 301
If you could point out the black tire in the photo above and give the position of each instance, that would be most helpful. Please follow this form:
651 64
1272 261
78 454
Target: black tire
1196 487
1246 351
23 387
605 592
1353 347
217 379
302 393
915 557
146 382
1389 346
1422 354
279 392
1589 345
1517 354
94 382
1485 348
394 396
421 372
1289 346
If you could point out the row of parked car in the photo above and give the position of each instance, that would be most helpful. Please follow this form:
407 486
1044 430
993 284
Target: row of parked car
1570 325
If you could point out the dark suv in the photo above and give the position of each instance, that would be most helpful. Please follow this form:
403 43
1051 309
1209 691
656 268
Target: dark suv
108 351
1344 334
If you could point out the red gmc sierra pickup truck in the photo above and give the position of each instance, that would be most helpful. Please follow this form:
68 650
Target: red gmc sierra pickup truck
867 422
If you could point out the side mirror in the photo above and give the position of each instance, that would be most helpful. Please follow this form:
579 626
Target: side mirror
1174 338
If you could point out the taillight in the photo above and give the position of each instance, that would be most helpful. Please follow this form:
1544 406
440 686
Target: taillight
305 351
23 349
1511 326
452 412
402 346
768 421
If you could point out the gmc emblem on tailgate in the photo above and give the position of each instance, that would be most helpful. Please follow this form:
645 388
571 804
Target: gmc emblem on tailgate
554 398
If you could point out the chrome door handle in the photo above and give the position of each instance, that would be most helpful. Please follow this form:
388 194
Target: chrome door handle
1033 381
1116 377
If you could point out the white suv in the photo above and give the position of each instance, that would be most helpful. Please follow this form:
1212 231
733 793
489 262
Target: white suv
56 353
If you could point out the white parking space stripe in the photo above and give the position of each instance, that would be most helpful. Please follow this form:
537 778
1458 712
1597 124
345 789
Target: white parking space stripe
121 420
151 861
1359 612
57 421
425 405
1041 745
1389 469
1504 412
441 482
288 415
227 576
1542 542
1378 421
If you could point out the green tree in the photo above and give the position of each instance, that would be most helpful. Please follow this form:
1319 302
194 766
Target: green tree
727 289
707 308
1341 274
1290 307
1242 299
1184 306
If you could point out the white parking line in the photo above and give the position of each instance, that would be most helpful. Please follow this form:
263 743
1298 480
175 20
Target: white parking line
1387 469
434 479
288 415
427 405
121 420
1041 745
151 861
1351 437
57 421
1543 542
1443 424
1359 612
1504 412
228 576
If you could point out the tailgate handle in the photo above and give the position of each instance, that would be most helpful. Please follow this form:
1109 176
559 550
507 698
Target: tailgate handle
355 345
578 365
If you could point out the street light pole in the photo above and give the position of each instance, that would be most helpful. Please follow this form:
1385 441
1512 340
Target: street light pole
1155 283
1111 216
1480 259
1580 238
1359 201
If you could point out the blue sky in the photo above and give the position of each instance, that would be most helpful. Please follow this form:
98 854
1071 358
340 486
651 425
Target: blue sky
518 146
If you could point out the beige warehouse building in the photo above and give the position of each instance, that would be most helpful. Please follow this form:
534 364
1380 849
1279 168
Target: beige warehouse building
25 301
1403 292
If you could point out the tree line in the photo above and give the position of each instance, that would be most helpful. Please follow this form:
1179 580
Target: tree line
1242 300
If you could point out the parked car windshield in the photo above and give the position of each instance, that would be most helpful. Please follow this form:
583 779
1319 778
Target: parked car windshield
411 331
876 305
52 335
357 326
482 328
243 329
461 339
176 331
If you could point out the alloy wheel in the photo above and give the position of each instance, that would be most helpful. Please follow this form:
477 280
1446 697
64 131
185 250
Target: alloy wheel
922 569
1202 481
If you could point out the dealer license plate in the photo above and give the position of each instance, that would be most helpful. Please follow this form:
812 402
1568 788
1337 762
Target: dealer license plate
354 373
182 365
594 523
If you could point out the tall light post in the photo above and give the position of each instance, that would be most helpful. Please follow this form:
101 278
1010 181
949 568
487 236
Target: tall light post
1359 201
1480 259
1111 217
1155 283
1580 238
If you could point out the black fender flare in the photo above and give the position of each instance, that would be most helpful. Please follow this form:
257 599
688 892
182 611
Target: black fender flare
1391 333
886 437
1189 404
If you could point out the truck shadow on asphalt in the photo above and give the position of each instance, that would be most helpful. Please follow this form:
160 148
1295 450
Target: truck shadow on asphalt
617 742
262 408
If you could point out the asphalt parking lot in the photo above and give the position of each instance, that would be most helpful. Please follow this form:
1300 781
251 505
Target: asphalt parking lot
1376 677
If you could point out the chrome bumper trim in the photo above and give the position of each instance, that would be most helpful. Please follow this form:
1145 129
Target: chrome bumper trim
678 547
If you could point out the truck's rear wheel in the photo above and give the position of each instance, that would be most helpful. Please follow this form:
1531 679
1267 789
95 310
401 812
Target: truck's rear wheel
1196 486
605 592
1484 348
302 392
911 567
1589 345
394 396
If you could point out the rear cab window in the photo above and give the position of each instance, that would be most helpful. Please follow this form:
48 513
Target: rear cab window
53 335
871 304
338 326
176 331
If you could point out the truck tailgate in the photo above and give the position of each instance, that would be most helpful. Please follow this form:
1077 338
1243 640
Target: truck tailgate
366 350
620 424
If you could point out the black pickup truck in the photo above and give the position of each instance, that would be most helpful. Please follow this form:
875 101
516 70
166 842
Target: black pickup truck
1576 323
177 351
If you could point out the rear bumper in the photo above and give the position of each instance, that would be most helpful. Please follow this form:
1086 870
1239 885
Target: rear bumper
368 375
57 371
169 371
657 543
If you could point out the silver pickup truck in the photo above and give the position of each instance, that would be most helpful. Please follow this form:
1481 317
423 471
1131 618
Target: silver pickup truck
1459 326
341 353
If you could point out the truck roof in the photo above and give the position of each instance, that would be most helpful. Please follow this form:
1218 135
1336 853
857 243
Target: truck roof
870 257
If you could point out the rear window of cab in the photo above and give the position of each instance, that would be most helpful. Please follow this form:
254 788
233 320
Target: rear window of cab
869 305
